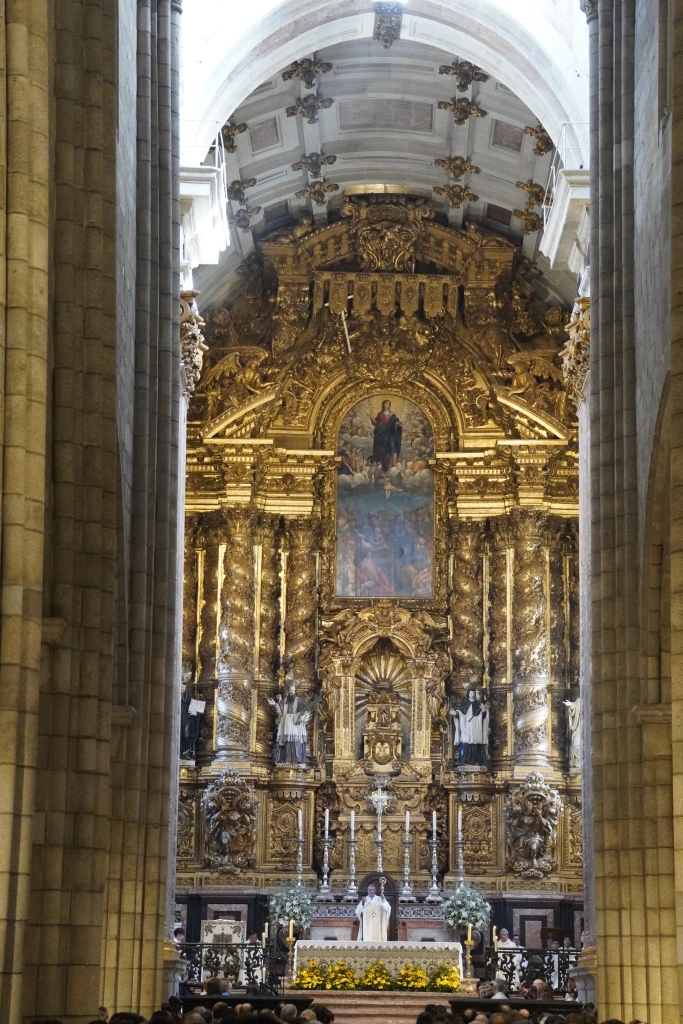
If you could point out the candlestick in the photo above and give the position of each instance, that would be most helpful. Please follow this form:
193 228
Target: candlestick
469 985
379 843
406 894
459 822
327 821
325 890
352 888
290 957
460 846
300 861
434 894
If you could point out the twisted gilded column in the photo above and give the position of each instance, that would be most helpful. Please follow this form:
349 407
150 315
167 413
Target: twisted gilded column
207 585
301 602
235 666
466 604
267 538
500 560
530 641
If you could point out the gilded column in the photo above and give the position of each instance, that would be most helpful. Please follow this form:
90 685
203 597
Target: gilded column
530 641
235 667
500 544
556 617
192 567
267 628
301 602
466 604
207 597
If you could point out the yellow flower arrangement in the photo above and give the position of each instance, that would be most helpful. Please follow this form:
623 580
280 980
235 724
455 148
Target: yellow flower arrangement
376 977
444 979
411 977
339 976
310 976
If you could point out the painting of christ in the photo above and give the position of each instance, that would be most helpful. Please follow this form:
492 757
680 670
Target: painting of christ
385 500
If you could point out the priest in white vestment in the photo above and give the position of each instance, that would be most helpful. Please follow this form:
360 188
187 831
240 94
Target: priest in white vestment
373 914
505 943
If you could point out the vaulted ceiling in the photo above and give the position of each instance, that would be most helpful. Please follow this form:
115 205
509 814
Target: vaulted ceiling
383 126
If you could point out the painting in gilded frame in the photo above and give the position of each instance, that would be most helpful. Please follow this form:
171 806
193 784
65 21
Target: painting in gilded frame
385 501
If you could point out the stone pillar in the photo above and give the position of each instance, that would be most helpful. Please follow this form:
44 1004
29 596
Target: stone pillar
530 642
466 604
301 602
24 219
235 668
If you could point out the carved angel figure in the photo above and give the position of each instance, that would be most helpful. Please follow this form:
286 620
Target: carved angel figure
531 813
229 806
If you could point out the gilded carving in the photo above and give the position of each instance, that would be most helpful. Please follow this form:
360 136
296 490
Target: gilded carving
456 194
186 826
464 72
388 18
318 191
574 834
192 344
314 163
307 70
531 814
308 106
386 233
458 166
478 831
466 605
575 355
229 806
544 144
230 131
301 602
462 109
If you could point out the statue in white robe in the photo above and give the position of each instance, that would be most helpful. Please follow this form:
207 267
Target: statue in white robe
574 733
373 913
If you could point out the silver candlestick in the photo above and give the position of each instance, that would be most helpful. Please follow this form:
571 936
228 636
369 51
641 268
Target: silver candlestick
352 888
300 862
379 843
406 894
325 888
434 894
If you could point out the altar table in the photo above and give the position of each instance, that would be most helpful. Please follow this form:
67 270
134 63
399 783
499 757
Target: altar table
394 955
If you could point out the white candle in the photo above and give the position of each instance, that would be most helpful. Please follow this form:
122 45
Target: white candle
266 929
459 822
407 824
301 823
353 823
327 822
433 824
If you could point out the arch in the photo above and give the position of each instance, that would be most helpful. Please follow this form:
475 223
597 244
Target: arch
535 62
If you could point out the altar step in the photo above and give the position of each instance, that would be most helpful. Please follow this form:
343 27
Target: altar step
378 1007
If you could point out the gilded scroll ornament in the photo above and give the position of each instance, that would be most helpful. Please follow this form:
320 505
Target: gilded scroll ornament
229 806
230 131
575 355
537 194
307 70
308 106
314 163
464 72
386 232
318 191
458 166
456 194
192 342
388 18
531 814
462 109
544 144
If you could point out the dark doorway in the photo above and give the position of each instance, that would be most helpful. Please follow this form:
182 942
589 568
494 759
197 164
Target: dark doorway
390 894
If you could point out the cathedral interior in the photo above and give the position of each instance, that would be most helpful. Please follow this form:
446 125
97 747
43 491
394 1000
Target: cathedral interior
339 530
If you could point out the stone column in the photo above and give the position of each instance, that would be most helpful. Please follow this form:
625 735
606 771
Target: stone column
24 220
301 602
530 642
466 604
235 668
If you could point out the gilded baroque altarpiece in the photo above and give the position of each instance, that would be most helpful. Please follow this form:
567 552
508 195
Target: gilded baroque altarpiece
382 505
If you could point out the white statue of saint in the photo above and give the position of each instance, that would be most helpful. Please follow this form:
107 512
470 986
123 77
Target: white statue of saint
292 717
373 912
574 730
471 729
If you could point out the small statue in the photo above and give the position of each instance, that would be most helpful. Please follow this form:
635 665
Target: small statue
574 733
190 710
471 729
292 714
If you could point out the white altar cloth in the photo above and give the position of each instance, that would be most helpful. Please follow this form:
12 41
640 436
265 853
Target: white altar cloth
394 955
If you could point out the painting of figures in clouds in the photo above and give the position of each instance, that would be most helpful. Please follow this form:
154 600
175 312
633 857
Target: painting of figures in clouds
385 501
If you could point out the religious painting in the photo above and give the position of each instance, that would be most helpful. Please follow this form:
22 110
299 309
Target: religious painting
385 501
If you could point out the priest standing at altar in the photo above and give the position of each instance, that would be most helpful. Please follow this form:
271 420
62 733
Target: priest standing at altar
373 913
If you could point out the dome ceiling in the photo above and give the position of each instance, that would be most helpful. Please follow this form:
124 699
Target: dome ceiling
375 116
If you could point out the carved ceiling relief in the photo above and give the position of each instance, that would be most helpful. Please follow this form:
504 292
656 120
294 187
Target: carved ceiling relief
384 305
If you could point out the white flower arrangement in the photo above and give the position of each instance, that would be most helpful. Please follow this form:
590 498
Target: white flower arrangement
293 904
466 906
